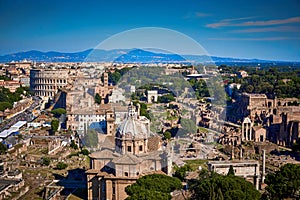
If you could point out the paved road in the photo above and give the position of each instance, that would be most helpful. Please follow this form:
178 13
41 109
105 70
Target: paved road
26 115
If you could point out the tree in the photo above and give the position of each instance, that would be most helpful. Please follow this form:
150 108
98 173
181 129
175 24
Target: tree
166 98
231 171
167 135
180 172
73 145
46 161
61 165
54 125
154 186
283 184
98 98
85 152
58 112
211 185
114 77
5 105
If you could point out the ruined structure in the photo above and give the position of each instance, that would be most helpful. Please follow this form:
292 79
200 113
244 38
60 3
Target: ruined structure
275 119
46 82
248 169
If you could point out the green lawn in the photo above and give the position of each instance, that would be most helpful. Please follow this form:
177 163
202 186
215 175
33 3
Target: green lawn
196 163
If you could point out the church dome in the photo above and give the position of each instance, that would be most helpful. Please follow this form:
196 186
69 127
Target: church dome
132 127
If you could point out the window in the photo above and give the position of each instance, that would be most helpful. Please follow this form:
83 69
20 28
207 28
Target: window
126 174
129 148
141 147
114 188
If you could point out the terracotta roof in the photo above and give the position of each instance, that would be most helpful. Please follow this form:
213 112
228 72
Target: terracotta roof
127 159
104 154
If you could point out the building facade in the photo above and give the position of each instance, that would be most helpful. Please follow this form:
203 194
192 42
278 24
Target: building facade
46 82
134 152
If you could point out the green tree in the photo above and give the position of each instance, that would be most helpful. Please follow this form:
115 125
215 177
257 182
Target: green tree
58 112
54 125
180 172
85 152
143 109
167 135
154 186
211 185
61 165
283 184
46 161
5 105
73 145
167 98
231 171
98 98
114 77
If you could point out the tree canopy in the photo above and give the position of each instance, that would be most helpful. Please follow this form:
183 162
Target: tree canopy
231 171
58 111
213 186
54 125
284 183
7 98
167 135
4 105
98 98
166 98
180 172
154 186
61 165
46 161
284 82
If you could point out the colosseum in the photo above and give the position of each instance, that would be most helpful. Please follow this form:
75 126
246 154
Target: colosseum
46 82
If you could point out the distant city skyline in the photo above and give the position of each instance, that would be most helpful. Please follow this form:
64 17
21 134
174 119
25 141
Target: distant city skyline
240 29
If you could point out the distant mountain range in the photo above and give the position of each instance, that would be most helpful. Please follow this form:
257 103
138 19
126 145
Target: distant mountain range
128 56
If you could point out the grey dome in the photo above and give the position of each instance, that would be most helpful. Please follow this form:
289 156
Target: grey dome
132 128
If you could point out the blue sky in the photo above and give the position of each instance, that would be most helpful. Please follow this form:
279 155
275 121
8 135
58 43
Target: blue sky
263 29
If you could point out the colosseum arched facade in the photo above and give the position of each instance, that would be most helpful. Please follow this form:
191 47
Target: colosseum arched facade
46 82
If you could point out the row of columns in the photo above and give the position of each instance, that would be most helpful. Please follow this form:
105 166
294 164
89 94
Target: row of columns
247 131
50 81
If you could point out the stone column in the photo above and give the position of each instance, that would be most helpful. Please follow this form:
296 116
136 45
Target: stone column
263 166
243 131
251 136
247 131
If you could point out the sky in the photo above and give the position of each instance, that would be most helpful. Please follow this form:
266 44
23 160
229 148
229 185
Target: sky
262 29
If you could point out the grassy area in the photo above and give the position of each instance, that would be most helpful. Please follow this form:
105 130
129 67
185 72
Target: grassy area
203 130
196 163
219 146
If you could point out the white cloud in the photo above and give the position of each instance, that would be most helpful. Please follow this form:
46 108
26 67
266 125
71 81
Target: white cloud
257 39
231 22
